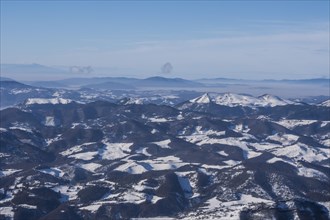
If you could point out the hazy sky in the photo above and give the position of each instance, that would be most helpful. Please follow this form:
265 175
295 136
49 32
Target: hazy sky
238 39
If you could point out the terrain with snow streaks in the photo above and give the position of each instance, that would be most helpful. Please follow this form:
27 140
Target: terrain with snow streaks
211 156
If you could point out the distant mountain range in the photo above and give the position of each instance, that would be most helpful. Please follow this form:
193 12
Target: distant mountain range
44 74
11 84
124 83
120 83
28 68
324 81
6 79
139 91
32 71
156 90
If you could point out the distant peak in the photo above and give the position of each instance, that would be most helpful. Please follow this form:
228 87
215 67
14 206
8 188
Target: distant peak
202 99
6 79
161 78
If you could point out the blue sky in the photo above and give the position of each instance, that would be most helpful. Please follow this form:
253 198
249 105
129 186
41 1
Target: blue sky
237 39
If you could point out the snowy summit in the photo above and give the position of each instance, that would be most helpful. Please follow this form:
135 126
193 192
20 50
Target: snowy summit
230 99
204 99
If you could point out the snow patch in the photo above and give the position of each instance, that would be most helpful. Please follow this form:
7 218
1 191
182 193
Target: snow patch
154 131
53 171
163 144
159 120
3 130
213 203
113 151
242 128
8 172
232 162
324 123
308 172
160 163
7 212
50 121
235 207
68 192
133 197
84 155
301 151
21 128
284 139
90 166
143 151
27 206
223 153
54 101
4 155
276 159
75 149
290 124
92 208
246 199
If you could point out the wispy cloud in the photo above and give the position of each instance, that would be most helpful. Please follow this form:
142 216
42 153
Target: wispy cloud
297 53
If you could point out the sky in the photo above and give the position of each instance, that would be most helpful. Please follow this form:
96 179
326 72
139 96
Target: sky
200 39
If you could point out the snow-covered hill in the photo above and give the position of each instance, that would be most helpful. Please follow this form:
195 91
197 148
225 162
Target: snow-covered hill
325 103
230 99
